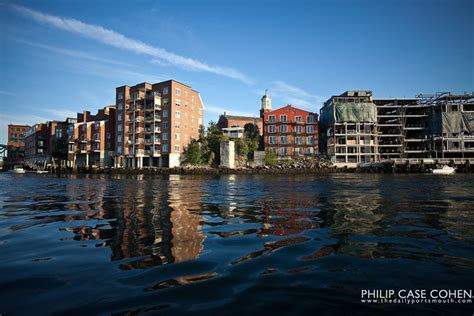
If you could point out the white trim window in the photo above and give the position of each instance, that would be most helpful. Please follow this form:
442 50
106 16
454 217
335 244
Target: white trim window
272 140
271 118
309 129
166 90
165 136
299 129
120 127
298 118
283 140
178 91
177 114
309 140
271 128
177 148
309 119
283 118
283 129
165 148
176 136
165 113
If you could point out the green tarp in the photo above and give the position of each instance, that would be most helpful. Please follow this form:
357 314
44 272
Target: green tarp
457 122
356 112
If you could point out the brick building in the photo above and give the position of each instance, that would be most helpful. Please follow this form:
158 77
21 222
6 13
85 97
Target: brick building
16 144
155 123
92 139
290 131
229 121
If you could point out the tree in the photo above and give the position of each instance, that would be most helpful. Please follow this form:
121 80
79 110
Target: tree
251 136
271 158
241 148
192 154
214 137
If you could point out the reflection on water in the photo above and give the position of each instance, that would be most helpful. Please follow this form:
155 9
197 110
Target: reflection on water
138 244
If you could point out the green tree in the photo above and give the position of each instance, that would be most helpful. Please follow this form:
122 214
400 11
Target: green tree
213 138
251 136
192 154
271 158
241 148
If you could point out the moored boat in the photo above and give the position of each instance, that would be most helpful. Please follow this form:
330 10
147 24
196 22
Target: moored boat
17 169
444 170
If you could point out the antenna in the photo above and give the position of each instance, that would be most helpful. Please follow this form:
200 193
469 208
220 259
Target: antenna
266 91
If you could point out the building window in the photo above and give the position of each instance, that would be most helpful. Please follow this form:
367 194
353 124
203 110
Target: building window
299 129
283 128
178 91
120 117
192 98
165 148
165 136
165 113
166 102
177 114
271 128
176 136
309 129
119 149
120 96
176 125
309 119
166 90
309 140
176 148
298 140
298 118
119 138
283 151
283 118
272 140
120 106
120 127
283 140
271 118
178 102
165 124
59 133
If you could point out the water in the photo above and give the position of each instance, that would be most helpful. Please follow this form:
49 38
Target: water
300 244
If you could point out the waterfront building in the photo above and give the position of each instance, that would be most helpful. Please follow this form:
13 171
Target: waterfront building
233 121
46 143
16 144
234 132
349 133
155 123
290 131
91 139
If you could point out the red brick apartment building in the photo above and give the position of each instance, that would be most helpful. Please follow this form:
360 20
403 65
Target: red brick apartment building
290 131
16 144
227 121
91 139
155 123
47 143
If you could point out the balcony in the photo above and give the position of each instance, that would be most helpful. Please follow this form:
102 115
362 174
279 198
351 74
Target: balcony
152 118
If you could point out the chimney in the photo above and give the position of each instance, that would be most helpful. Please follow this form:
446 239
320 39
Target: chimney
225 114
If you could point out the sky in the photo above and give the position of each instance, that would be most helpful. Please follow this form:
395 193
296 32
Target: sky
63 57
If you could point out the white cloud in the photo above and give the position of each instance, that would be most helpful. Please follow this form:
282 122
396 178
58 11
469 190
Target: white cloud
74 53
118 40
296 96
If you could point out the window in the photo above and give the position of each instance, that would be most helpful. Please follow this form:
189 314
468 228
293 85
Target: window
176 148
271 128
185 137
299 129
298 140
272 140
283 118
165 148
166 90
120 127
165 124
178 102
120 96
309 119
119 138
165 136
119 149
166 102
192 98
309 129
283 151
271 118
176 136
177 114
165 113
120 106
59 133
298 118
178 91
309 140
186 93
283 128
177 125
283 140
120 117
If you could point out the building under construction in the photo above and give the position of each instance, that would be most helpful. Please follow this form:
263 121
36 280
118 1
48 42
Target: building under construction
429 128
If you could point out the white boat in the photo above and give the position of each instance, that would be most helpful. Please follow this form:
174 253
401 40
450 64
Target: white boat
17 169
444 170
42 171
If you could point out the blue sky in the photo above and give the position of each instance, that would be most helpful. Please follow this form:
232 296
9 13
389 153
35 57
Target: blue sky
60 57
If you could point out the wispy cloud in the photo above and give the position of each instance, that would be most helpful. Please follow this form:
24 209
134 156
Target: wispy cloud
221 110
295 96
118 40
60 114
74 53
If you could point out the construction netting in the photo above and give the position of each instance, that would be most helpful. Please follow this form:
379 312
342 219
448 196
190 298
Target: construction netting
452 122
345 112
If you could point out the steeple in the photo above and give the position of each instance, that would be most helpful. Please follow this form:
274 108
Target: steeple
266 104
